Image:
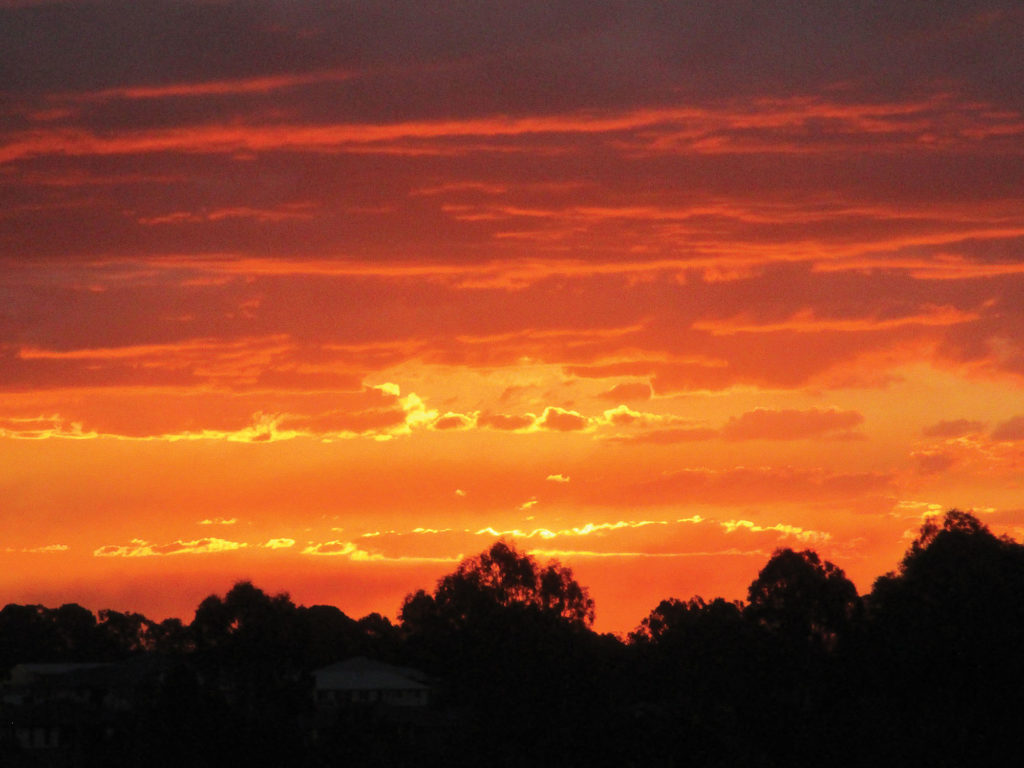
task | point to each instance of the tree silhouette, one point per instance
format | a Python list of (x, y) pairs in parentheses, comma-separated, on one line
[(697, 665), (26, 634), (125, 633), (171, 637), (249, 640), (76, 632), (678, 623), (802, 600), (245, 620), (926, 670), (248, 651), (501, 577), (957, 579), (805, 610), (326, 635), (944, 642), (511, 639)]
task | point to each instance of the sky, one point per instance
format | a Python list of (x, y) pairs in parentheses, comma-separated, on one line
[(331, 295)]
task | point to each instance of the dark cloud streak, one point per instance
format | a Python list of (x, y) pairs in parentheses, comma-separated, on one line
[(530, 53)]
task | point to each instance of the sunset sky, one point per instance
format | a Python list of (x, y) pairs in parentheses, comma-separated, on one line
[(330, 295)]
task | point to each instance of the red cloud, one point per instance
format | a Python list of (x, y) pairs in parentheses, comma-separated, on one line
[(452, 421), (1011, 429), (669, 436), (358, 422), (561, 420), (930, 463), (504, 421), (139, 412), (639, 390), (953, 428), (261, 85), (141, 548), (753, 485)]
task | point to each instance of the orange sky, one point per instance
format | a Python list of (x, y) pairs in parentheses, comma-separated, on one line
[(330, 295)]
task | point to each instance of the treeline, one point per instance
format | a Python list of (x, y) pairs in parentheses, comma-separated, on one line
[(928, 668), (299, 637)]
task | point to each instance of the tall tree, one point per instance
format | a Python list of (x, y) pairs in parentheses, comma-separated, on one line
[(511, 639), (943, 655), (501, 577), (802, 599), (249, 637)]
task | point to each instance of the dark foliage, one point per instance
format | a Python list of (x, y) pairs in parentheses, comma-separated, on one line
[(510, 638), (501, 578), (803, 601), (925, 670), (944, 643)]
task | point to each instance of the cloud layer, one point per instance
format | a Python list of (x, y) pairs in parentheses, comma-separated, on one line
[(649, 285)]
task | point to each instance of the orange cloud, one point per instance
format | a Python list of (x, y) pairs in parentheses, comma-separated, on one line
[(504, 422), (745, 485), (806, 322), (1011, 429), (782, 529), (142, 548), (623, 415), (336, 548), (166, 354), (44, 549), (40, 428), (181, 414), (350, 551), (953, 428), (778, 126), (582, 530), (669, 436), (628, 275), (284, 212), (260, 85), (574, 553), (215, 361), (280, 543), (561, 420), (464, 186), (341, 423), (934, 462), (766, 424), (453, 421), (639, 390), (940, 267)]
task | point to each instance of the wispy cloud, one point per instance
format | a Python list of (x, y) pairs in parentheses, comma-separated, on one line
[(349, 550), (790, 424), (581, 530), (778, 126), (586, 553), (806, 322), (782, 529), (257, 85), (281, 543), (143, 548), (44, 549)]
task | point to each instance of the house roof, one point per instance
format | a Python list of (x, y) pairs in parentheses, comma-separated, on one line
[(133, 671), (362, 674), (22, 674), (59, 668)]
